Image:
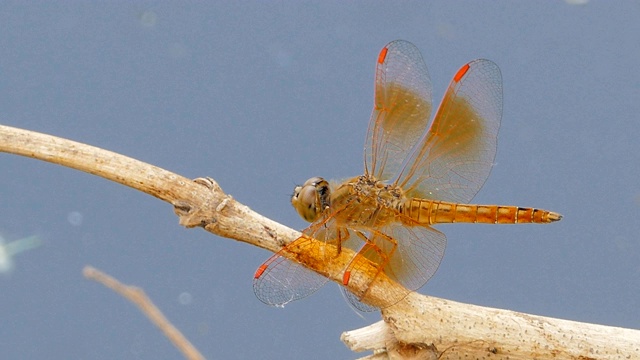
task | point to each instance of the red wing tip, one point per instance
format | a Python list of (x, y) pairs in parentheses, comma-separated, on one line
[(383, 55), (346, 277), (260, 271), (463, 70)]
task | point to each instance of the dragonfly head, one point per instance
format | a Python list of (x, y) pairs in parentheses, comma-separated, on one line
[(311, 198)]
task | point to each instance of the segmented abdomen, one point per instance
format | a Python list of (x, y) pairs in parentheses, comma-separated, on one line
[(429, 212)]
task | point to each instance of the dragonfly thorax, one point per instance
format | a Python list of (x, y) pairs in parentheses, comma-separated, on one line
[(364, 201), (385, 195)]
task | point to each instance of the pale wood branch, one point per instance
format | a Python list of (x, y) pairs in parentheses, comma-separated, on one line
[(444, 329), (418, 326), (196, 205), (142, 301)]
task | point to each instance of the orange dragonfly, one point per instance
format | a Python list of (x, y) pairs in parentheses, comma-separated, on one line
[(417, 173)]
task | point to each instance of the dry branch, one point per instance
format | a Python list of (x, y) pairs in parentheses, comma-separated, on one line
[(418, 326), (142, 301), (447, 329)]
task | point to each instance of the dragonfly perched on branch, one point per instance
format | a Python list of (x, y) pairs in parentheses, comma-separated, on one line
[(417, 173)]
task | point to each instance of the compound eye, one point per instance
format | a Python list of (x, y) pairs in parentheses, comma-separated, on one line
[(314, 181), (305, 201), (312, 198)]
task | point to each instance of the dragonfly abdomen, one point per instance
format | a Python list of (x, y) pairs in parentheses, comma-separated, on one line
[(427, 212)]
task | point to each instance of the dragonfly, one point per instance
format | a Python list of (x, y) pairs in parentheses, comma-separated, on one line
[(418, 172)]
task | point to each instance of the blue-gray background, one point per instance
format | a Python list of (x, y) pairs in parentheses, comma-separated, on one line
[(261, 96)]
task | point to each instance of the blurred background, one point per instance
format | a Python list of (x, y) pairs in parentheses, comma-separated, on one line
[(261, 96)]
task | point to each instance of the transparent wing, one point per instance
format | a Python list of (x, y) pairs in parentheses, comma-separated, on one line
[(281, 279), (356, 243), (457, 152), (401, 111), (278, 281), (418, 255), (355, 301), (408, 255)]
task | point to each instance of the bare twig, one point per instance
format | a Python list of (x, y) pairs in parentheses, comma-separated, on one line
[(416, 326), (140, 299)]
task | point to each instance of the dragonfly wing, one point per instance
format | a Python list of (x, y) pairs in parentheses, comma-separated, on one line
[(355, 302), (457, 152), (279, 281), (401, 111), (361, 267), (356, 243), (417, 256), (407, 255)]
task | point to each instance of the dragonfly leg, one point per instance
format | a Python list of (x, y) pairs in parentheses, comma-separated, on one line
[(343, 235)]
